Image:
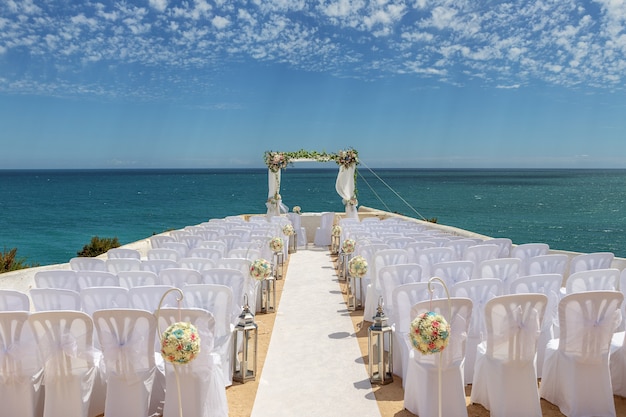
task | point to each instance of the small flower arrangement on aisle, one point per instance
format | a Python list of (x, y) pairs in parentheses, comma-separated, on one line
[(260, 269), (348, 246), (336, 230), (180, 343), (288, 230), (429, 333), (296, 209), (357, 267), (276, 244)]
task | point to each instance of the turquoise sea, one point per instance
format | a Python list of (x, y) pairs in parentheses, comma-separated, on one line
[(50, 215)]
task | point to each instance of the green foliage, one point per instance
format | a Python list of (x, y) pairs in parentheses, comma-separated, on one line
[(10, 262), (432, 220), (98, 246)]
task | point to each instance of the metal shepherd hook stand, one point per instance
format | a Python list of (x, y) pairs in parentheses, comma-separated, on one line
[(431, 290), (157, 313)]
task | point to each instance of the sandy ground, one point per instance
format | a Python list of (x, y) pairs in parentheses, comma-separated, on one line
[(390, 397)]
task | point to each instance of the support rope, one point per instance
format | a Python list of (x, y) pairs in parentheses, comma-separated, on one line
[(388, 186)]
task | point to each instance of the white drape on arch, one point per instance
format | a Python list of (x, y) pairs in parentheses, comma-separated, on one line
[(274, 201), (345, 189)]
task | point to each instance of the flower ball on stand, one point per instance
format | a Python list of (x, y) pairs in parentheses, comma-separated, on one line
[(180, 343), (276, 246), (429, 333)]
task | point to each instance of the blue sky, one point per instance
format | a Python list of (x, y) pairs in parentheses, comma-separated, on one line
[(408, 83)]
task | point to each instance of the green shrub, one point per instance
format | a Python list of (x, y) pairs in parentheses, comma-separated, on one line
[(98, 246), (10, 262)]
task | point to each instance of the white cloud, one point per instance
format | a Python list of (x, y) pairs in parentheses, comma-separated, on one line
[(159, 5), (220, 22)]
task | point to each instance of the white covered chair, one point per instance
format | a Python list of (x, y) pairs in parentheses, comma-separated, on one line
[(49, 299), (421, 388), (21, 371), (218, 299), (576, 375), (555, 263), (587, 261), (404, 298), (452, 272), (479, 291), (65, 342), (617, 363), (414, 248), (115, 265), (155, 265), (88, 279), (504, 244), (163, 253), (123, 253), (202, 382), (87, 264), (322, 233), (232, 278), (392, 276), (199, 264), (179, 247), (57, 278), (504, 269), (179, 277), (505, 378), (215, 244), (593, 280), (460, 245), (158, 240), (431, 256), (301, 236), (13, 300), (208, 253), (479, 253), (103, 298), (148, 297), (127, 337), (549, 285), (529, 250), (129, 279), (382, 258)]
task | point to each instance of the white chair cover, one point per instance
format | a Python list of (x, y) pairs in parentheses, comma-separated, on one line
[(505, 379), (382, 258), (202, 383), (21, 371), (232, 278), (588, 261), (116, 265), (479, 253), (617, 364), (179, 277), (208, 253), (214, 244), (57, 278), (191, 241), (479, 291), (13, 300), (504, 244), (431, 256), (460, 245), (392, 276), (49, 299), (158, 240), (87, 264), (218, 299), (148, 297), (155, 265), (549, 285), (421, 393), (593, 280), (322, 233), (129, 279), (88, 279), (529, 250), (102, 298), (163, 253), (504, 269), (199, 264), (127, 337), (65, 342), (452, 272), (179, 247), (404, 298), (576, 375), (123, 253), (547, 264)]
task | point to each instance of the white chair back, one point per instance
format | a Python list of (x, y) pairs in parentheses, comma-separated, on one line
[(57, 278), (49, 299), (129, 279), (593, 280), (103, 298), (13, 300)]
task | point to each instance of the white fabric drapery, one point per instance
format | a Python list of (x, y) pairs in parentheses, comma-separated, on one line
[(274, 202), (345, 189)]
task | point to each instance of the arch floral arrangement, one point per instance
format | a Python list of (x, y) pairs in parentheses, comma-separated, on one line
[(276, 244), (180, 343), (260, 269), (348, 245), (429, 333), (357, 267)]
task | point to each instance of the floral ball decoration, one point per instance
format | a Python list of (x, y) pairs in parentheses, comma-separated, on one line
[(276, 244), (260, 269), (348, 246), (357, 266), (180, 343), (336, 231), (288, 230), (296, 209), (429, 333)]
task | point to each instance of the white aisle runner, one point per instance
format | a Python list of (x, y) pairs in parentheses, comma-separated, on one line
[(313, 366)]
